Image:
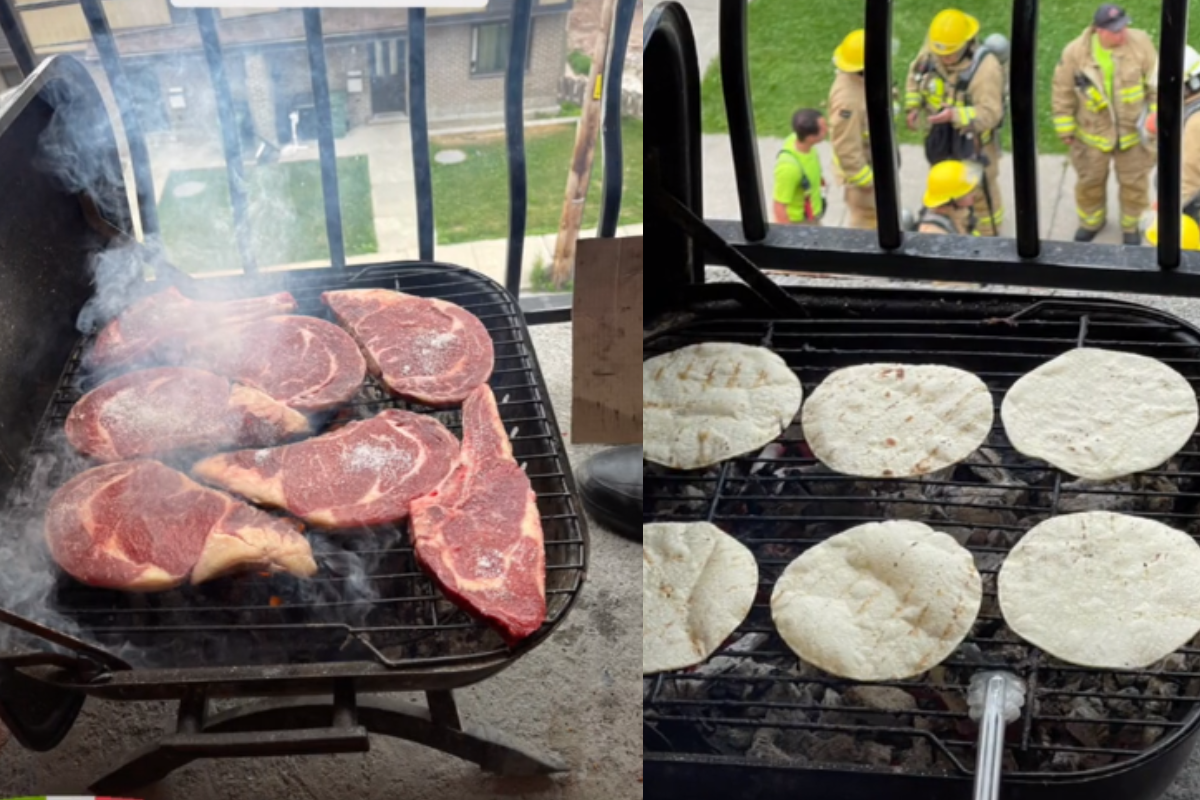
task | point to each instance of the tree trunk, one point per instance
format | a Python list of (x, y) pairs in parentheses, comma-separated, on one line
[(584, 155)]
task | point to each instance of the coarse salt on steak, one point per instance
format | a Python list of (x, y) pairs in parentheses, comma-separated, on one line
[(304, 362), (157, 411), (430, 351), (366, 473), (480, 534), (157, 327), (139, 526)]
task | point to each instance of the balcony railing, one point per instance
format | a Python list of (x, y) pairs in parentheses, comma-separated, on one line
[(521, 21), (684, 242)]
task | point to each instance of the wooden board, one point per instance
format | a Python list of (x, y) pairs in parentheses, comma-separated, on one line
[(607, 393)]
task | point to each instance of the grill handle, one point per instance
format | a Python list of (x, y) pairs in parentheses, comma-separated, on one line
[(996, 699), (39, 714)]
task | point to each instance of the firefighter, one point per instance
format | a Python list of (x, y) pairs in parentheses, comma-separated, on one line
[(1190, 179), (950, 193), (1189, 228), (799, 191), (848, 130), (959, 85), (1104, 88)]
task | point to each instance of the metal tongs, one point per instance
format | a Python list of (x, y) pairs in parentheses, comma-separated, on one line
[(996, 700)]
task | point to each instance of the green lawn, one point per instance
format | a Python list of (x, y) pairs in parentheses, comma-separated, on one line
[(287, 214), (791, 46), (471, 198)]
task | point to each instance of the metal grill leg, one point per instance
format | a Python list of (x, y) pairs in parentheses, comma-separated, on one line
[(443, 710), (258, 731), (313, 726)]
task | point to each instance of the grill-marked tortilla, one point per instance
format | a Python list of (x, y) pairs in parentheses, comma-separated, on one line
[(881, 601), (1103, 590), (896, 420), (698, 584), (710, 402), (1101, 414)]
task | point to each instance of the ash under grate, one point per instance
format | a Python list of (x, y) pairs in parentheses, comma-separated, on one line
[(756, 703)]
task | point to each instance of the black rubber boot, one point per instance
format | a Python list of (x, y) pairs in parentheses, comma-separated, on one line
[(1085, 235), (611, 486)]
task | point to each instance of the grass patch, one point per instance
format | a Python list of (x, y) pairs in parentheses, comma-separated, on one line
[(580, 62), (471, 198), (791, 50), (287, 215), (541, 278)]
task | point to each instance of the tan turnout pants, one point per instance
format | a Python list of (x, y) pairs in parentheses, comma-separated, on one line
[(1133, 168), (989, 217), (861, 204)]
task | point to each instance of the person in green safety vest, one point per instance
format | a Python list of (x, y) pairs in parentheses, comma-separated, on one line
[(799, 186)]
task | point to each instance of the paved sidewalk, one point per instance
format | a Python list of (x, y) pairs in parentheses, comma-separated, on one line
[(1056, 180)]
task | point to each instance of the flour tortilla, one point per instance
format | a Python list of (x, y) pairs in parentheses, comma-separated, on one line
[(882, 601), (1101, 414), (698, 584), (710, 402), (897, 420), (1103, 590)]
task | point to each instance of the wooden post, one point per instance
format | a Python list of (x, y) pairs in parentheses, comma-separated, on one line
[(580, 177)]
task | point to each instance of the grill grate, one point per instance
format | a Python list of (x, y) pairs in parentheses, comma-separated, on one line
[(370, 598), (755, 703)]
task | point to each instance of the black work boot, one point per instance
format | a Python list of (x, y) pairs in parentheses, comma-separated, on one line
[(1132, 239), (1086, 235), (611, 486)]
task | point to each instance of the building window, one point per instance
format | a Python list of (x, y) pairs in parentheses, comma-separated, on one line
[(490, 44)]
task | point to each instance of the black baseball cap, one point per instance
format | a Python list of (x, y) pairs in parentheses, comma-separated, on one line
[(1111, 17)]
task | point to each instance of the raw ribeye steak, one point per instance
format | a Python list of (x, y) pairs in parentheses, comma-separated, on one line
[(156, 327), (139, 526), (429, 351), (157, 411), (304, 362), (480, 534), (366, 473)]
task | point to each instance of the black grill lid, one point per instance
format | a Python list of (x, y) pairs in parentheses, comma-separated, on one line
[(46, 238)]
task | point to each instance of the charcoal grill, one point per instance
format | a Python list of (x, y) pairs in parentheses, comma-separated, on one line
[(370, 622), (753, 721), (781, 502)]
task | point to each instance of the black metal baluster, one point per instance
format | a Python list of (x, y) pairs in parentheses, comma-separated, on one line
[(614, 154), (143, 175), (1170, 131), (514, 125), (1023, 91), (878, 76), (230, 139), (419, 119), (15, 37), (329, 178), (739, 110)]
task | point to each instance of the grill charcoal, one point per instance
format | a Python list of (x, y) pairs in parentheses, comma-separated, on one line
[(757, 702)]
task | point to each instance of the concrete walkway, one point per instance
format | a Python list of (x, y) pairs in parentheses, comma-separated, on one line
[(1056, 181)]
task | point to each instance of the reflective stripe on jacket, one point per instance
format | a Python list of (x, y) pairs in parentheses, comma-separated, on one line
[(934, 86), (1081, 105)]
